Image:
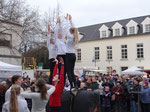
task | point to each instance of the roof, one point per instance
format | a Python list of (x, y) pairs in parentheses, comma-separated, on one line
[(92, 32)]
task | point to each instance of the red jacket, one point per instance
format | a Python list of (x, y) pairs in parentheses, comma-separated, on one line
[(55, 98)]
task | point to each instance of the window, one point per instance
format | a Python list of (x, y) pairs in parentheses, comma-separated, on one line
[(5, 40), (109, 52), (104, 33), (124, 54), (117, 32), (140, 52), (147, 28), (132, 30), (124, 68), (78, 54), (96, 53)]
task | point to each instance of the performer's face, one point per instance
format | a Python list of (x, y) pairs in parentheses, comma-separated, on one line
[(56, 78)]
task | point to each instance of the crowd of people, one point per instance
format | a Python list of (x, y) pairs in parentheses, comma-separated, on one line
[(102, 93), (62, 91), (120, 93)]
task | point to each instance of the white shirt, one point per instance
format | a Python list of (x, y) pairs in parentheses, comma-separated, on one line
[(38, 104), (7, 94), (60, 43), (22, 105), (52, 49), (70, 44)]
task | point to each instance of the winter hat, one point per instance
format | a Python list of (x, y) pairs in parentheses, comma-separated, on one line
[(9, 77), (146, 83), (130, 82), (107, 88)]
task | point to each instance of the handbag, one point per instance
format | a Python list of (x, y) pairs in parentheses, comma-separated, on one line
[(113, 97)]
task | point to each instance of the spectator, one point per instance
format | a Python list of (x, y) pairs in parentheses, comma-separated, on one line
[(3, 89), (89, 83), (106, 99), (145, 97), (119, 91), (134, 95), (94, 85)]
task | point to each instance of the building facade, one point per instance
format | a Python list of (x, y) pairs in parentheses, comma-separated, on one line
[(10, 40), (115, 45)]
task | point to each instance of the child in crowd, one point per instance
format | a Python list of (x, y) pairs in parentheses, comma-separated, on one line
[(106, 99)]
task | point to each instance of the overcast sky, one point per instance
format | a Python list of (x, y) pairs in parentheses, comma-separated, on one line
[(88, 12)]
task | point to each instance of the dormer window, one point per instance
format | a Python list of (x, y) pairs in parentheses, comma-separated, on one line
[(104, 33), (146, 25), (132, 30), (117, 32), (147, 28), (117, 29), (132, 27)]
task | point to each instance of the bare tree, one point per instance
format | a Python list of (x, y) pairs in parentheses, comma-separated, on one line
[(16, 11), (34, 26)]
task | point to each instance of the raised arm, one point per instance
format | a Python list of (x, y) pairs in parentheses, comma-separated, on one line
[(68, 22), (62, 70), (56, 31), (51, 89), (55, 69), (29, 95)]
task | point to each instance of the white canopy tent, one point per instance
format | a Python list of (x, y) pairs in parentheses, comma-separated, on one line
[(8, 70), (133, 71)]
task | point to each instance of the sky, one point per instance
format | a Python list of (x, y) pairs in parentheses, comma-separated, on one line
[(89, 12)]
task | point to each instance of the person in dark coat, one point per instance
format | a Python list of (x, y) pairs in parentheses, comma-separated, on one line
[(108, 83), (94, 85), (3, 89), (85, 101), (134, 96), (66, 101), (89, 83), (118, 90)]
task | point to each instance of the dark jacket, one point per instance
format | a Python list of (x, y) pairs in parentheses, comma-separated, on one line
[(66, 101), (133, 95), (85, 101), (106, 99), (109, 84), (94, 85)]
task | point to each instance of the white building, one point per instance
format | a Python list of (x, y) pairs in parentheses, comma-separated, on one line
[(115, 45), (10, 40)]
